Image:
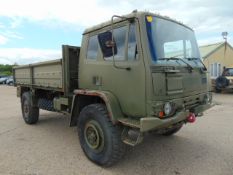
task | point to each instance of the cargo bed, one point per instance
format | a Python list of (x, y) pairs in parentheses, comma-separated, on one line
[(51, 75), (46, 74)]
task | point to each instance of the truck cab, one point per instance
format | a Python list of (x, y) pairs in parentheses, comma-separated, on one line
[(156, 73)]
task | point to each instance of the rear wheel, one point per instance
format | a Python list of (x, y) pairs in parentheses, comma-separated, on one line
[(30, 113), (10, 83), (99, 138)]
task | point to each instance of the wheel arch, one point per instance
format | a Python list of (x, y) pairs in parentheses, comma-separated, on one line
[(82, 98)]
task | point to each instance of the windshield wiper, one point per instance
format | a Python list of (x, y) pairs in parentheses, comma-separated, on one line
[(194, 58), (190, 68)]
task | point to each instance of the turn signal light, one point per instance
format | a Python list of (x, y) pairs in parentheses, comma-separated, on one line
[(161, 114)]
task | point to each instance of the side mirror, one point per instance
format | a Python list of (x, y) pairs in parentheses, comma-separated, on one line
[(107, 45)]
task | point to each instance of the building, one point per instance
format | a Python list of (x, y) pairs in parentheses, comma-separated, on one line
[(216, 57)]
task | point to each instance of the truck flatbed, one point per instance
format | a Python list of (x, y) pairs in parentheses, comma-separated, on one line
[(42, 75), (51, 75)]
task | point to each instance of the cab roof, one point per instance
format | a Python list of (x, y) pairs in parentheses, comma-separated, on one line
[(134, 14)]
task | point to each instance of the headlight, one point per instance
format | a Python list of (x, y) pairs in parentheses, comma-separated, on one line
[(167, 108)]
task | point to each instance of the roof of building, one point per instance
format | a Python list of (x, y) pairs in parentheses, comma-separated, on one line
[(207, 50)]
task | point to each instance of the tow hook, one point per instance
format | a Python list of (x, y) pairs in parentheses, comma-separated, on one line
[(191, 118)]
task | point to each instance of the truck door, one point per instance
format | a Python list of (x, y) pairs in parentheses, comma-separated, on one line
[(128, 85)]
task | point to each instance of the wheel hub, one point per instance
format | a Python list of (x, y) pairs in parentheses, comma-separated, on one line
[(94, 136), (26, 109)]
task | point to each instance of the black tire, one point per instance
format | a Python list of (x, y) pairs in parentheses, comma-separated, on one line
[(10, 83), (173, 130), (99, 138), (221, 82), (30, 113)]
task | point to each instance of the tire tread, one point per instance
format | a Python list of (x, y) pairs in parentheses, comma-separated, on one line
[(33, 111), (118, 147)]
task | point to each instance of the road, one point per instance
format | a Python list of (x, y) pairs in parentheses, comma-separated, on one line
[(52, 147)]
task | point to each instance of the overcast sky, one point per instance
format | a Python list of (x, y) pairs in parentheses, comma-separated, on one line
[(32, 30)]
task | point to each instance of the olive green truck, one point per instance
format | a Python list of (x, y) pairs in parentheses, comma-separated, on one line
[(135, 74)]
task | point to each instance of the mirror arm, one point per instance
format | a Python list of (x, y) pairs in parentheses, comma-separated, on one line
[(113, 59)]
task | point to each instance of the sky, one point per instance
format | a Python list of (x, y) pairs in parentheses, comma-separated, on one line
[(32, 31)]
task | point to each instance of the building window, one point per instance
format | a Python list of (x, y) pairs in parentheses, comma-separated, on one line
[(212, 70), (215, 70), (219, 69)]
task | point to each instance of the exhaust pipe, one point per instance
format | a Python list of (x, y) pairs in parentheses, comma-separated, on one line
[(191, 118)]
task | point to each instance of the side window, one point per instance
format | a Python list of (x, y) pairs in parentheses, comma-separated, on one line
[(132, 44), (92, 49), (119, 35)]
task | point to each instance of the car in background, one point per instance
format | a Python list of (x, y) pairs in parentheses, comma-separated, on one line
[(225, 81), (3, 79), (10, 81)]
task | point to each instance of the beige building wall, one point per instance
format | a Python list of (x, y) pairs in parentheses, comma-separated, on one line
[(218, 57)]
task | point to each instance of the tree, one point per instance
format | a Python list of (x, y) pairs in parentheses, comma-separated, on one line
[(6, 69)]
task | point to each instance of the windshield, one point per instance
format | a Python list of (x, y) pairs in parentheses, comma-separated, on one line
[(168, 39), (228, 72)]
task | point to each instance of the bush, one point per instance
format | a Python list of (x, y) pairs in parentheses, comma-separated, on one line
[(6, 69)]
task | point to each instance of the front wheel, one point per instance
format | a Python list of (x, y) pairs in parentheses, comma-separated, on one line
[(99, 138), (30, 113)]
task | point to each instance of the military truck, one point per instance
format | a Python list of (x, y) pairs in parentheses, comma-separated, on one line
[(224, 81), (132, 75)]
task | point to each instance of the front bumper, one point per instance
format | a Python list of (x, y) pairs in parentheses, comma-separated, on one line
[(152, 123)]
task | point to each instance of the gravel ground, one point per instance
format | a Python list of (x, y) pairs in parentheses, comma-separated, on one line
[(52, 147)]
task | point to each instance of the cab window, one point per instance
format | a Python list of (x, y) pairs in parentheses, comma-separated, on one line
[(92, 50), (179, 48), (228, 72), (132, 44), (119, 35)]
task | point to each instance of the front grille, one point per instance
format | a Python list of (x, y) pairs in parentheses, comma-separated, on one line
[(190, 103)]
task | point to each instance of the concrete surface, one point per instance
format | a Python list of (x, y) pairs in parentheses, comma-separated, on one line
[(52, 147)]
